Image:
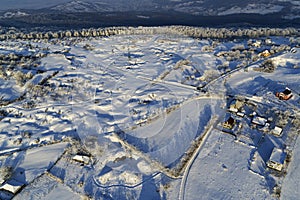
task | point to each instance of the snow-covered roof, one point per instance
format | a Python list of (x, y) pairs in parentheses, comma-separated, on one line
[(277, 131), (259, 120), (278, 156), (81, 158), (232, 109), (240, 114), (12, 186)]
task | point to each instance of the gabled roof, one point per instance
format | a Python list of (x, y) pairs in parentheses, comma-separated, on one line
[(259, 120), (277, 131), (278, 156), (12, 186), (81, 158)]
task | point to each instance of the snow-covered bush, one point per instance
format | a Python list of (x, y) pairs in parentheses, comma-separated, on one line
[(88, 47), (20, 77), (267, 66), (209, 75), (5, 173), (3, 74), (282, 118), (29, 105), (207, 48), (296, 122)]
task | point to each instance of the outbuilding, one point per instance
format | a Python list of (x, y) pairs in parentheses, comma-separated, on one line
[(277, 131), (81, 159), (265, 53), (12, 186), (259, 121), (277, 159)]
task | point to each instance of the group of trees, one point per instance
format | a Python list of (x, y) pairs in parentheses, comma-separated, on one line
[(197, 32)]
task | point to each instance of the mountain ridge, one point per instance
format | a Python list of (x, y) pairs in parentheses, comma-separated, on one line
[(151, 13)]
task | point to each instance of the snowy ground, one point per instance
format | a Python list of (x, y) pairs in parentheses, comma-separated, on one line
[(145, 114)]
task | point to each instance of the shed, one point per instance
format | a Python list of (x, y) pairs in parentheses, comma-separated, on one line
[(277, 159), (259, 120), (81, 159), (265, 53), (12, 186), (277, 131), (240, 114)]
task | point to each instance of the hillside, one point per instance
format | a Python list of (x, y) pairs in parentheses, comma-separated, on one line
[(148, 116)]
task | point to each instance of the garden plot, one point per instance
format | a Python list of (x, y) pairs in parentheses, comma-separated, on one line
[(217, 156), (174, 132), (31, 164), (46, 187)]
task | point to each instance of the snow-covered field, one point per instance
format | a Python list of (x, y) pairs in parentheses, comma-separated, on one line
[(141, 117)]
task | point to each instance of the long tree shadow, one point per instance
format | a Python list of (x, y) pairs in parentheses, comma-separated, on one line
[(150, 190)]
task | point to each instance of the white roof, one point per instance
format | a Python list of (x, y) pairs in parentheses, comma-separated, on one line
[(241, 114), (277, 130), (277, 156), (233, 109), (80, 158), (259, 120), (12, 186)]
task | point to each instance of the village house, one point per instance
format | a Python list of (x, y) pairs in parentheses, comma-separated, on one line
[(11, 186), (277, 159), (259, 121), (265, 53), (81, 159), (285, 95), (277, 131)]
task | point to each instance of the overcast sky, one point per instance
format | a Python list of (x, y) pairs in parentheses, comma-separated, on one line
[(27, 4)]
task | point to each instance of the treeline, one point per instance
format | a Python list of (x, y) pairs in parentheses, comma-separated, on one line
[(197, 32)]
